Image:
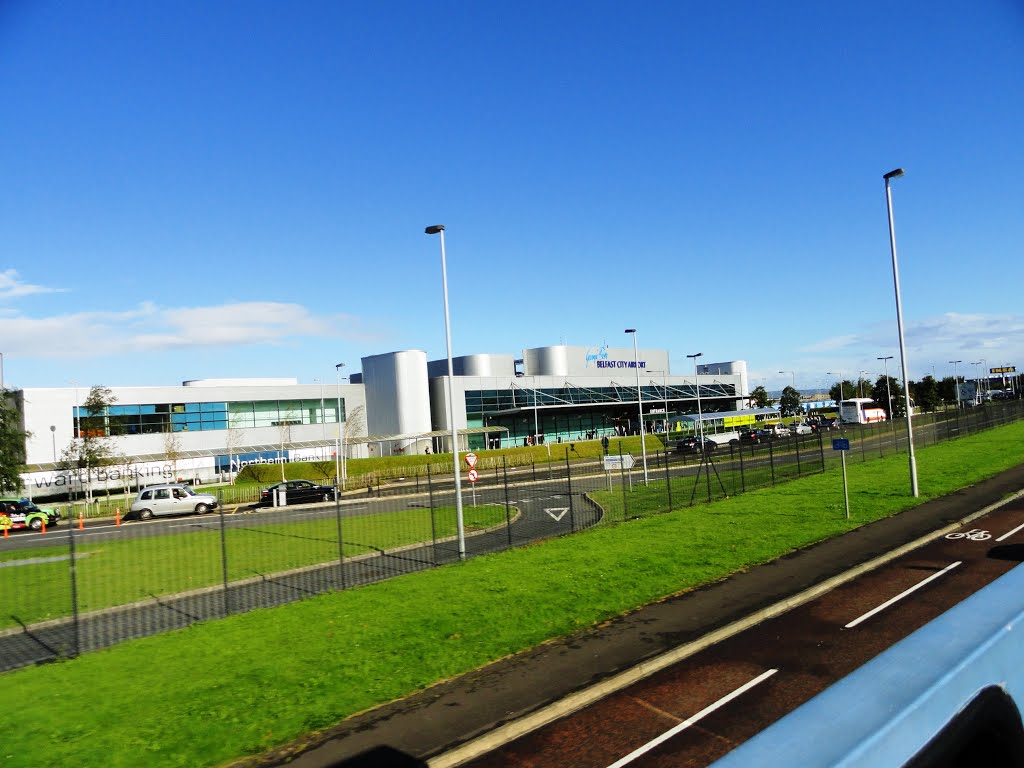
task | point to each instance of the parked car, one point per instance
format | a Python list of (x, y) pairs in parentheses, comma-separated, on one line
[(690, 445), (776, 430), (750, 436), (801, 429), (170, 499), (17, 514), (298, 492)]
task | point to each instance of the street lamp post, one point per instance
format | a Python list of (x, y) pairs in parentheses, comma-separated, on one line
[(438, 229), (696, 386), (339, 463), (53, 439), (977, 380), (956, 382), (895, 174), (639, 400), (860, 383), (791, 373)]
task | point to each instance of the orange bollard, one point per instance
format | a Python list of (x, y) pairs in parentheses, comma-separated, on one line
[(81, 522), (117, 516), (43, 529), (5, 531)]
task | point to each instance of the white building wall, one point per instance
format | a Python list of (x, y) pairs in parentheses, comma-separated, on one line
[(397, 395)]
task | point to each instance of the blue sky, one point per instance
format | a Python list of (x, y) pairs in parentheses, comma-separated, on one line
[(238, 189)]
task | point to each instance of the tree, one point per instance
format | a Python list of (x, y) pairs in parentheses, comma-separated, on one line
[(925, 394), (172, 451), (880, 394), (789, 402), (12, 445), (759, 398), (842, 391), (947, 390), (91, 449)]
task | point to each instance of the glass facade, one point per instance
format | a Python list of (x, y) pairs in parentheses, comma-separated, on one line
[(156, 418), (579, 413)]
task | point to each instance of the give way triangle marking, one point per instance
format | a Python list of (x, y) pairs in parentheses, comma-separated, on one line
[(560, 510)]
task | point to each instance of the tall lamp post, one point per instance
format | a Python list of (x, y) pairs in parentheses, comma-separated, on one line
[(977, 380), (339, 463), (696, 386), (860, 383), (956, 382), (639, 400), (438, 229), (895, 174), (791, 373)]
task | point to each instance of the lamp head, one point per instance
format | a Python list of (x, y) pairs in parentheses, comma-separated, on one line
[(339, 365), (435, 229), (630, 330), (893, 174)]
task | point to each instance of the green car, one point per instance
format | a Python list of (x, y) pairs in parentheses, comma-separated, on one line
[(16, 514)]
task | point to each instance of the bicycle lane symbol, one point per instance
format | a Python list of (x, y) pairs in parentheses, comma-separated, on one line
[(975, 534)]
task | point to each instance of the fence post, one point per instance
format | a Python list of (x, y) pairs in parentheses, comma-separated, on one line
[(341, 542), (433, 524), (743, 479), (771, 457), (508, 513), (821, 448), (668, 481), (622, 484), (533, 465), (796, 443), (74, 590), (224, 553), (568, 480)]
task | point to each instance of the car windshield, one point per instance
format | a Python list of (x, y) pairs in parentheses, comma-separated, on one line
[(188, 491)]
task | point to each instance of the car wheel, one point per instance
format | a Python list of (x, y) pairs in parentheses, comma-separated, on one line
[(36, 524), (202, 509), (145, 514), (327, 497)]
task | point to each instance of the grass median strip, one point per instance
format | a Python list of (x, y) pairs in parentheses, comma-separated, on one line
[(218, 690), (113, 573)]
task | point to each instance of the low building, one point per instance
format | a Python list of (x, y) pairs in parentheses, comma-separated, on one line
[(206, 429)]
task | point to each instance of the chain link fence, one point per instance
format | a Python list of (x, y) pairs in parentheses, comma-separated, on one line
[(81, 587)]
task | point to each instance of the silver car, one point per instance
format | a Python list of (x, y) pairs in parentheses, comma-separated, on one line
[(170, 499)]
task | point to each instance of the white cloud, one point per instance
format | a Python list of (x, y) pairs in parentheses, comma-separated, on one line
[(11, 287), (149, 328)]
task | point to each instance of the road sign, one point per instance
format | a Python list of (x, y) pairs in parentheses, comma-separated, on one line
[(471, 459), (473, 475), (613, 462), (841, 444)]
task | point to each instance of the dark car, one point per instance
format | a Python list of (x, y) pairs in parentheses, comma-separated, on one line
[(16, 514), (750, 436), (298, 492), (690, 445)]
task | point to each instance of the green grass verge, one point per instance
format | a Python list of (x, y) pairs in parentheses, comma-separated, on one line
[(114, 573), (204, 695)]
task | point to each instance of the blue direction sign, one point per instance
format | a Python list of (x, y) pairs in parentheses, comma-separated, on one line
[(841, 444)]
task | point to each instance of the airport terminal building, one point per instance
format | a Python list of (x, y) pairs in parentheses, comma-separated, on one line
[(206, 429)]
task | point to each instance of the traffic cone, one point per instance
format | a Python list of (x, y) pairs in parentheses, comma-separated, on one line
[(117, 516), (81, 523), (43, 529)]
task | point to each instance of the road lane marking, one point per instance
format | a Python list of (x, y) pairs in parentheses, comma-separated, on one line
[(1008, 534), (691, 720), (560, 510), (901, 595)]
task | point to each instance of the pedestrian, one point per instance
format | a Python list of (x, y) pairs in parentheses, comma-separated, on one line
[(604, 444)]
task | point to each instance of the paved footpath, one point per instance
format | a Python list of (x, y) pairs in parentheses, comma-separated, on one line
[(428, 724)]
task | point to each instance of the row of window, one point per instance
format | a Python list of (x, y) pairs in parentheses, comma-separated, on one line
[(485, 400), (145, 419)]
